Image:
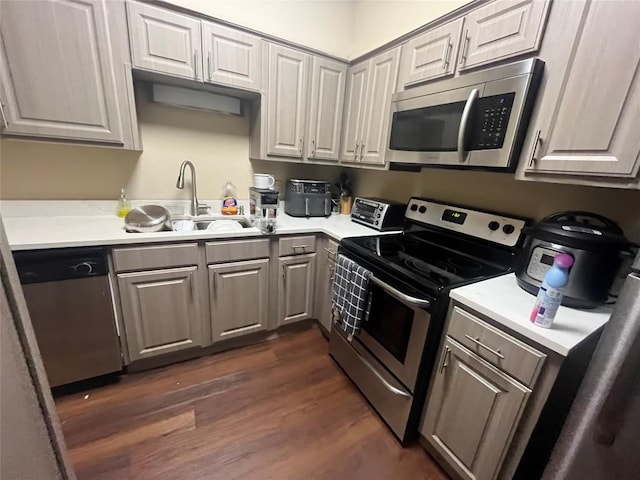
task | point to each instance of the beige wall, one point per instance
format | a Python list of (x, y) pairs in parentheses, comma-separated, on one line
[(321, 24), (377, 22)]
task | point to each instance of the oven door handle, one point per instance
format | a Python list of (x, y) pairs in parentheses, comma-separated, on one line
[(403, 297), (388, 386), (464, 122)]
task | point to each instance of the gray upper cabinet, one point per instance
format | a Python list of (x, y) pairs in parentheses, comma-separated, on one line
[(356, 92), (588, 116), (232, 57), (286, 101), (366, 119), (239, 297), (430, 55), (296, 286), (471, 412), (161, 311), (57, 71), (382, 84), (502, 29), (165, 42), (328, 79)]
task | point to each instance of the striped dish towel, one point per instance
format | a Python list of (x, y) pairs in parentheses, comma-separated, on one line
[(350, 295)]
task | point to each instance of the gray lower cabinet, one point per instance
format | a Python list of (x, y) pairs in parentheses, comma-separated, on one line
[(296, 288), (160, 311), (57, 71), (324, 282), (239, 298), (472, 411)]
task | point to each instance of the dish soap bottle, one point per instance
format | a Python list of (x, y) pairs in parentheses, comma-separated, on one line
[(229, 199), (124, 205), (552, 290)]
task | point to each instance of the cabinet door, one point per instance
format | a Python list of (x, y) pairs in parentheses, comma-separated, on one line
[(382, 84), (471, 412), (430, 55), (286, 101), (357, 80), (328, 79), (165, 42), (232, 57), (239, 297), (160, 311), (57, 72), (502, 29), (325, 273), (296, 288), (605, 140)]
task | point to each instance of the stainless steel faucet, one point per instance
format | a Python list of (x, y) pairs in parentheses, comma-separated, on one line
[(195, 206)]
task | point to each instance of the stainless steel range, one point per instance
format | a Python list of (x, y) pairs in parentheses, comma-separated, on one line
[(443, 247)]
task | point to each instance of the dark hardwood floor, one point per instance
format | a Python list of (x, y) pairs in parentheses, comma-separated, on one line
[(277, 410)]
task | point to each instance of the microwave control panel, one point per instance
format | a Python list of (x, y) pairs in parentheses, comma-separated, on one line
[(491, 119)]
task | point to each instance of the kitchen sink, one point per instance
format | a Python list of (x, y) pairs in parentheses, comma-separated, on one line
[(204, 224)]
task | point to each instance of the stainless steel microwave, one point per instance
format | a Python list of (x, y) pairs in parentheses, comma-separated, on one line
[(477, 120)]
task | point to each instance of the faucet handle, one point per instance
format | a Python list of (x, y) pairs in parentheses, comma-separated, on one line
[(203, 209)]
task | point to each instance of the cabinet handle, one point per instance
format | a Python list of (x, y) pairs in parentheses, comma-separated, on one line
[(295, 247), (191, 284), (215, 286), (209, 65), (331, 272), (477, 341), (532, 159), (445, 359), (463, 55), (300, 146), (355, 152), (4, 118), (195, 62), (284, 272), (447, 54), (313, 147), (331, 255), (361, 150)]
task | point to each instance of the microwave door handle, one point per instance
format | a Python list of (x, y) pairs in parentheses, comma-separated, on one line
[(464, 123)]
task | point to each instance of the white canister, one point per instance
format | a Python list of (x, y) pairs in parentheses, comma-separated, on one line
[(263, 180)]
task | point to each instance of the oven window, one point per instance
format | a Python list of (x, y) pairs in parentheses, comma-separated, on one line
[(428, 129), (389, 323)]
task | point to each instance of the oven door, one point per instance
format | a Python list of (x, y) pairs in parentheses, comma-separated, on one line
[(396, 330)]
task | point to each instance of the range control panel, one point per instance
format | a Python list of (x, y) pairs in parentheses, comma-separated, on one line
[(487, 226), (491, 121)]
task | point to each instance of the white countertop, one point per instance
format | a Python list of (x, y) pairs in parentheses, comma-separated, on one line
[(61, 231), (502, 300)]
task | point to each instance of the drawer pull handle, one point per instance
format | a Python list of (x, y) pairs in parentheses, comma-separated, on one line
[(295, 247), (331, 254), (477, 341)]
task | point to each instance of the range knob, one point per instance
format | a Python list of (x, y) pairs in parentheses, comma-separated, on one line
[(508, 229), (377, 222), (493, 226), (422, 209), (414, 207)]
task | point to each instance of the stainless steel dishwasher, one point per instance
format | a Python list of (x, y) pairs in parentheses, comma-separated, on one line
[(69, 301)]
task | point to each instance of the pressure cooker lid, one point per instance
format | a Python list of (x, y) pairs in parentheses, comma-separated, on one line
[(580, 230)]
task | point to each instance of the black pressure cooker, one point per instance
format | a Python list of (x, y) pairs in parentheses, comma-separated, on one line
[(597, 245)]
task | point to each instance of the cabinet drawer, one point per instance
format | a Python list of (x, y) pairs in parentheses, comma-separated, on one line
[(509, 354), (218, 252), (296, 245), (145, 258)]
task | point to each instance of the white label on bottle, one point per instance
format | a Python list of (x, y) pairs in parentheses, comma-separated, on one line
[(547, 303)]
